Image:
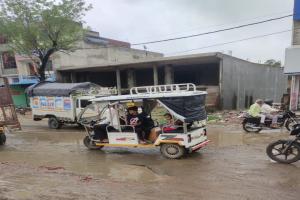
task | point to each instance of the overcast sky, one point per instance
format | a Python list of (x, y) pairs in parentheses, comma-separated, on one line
[(145, 20)]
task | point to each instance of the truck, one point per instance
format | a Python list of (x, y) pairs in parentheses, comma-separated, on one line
[(61, 103), (8, 116)]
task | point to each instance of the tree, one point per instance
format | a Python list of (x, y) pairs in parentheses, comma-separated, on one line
[(39, 28), (273, 63)]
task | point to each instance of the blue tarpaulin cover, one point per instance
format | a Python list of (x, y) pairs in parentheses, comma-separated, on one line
[(297, 10), (56, 89)]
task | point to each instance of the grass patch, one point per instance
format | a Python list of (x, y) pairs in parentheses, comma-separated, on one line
[(213, 118)]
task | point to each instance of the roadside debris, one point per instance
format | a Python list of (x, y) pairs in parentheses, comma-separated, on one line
[(230, 117), (86, 179), (52, 168)]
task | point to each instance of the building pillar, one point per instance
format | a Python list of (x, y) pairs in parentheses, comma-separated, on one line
[(294, 93), (169, 74), (87, 77), (155, 75), (1, 65), (118, 78), (73, 77), (220, 99), (59, 77), (131, 78)]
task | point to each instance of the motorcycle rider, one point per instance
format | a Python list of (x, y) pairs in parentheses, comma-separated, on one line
[(270, 113), (255, 110)]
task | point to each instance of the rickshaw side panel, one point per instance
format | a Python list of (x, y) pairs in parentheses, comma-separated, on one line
[(123, 138), (196, 137), (188, 140)]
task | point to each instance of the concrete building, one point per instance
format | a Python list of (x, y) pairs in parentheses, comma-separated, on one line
[(231, 83), (96, 50), (292, 60), (20, 71), (93, 50)]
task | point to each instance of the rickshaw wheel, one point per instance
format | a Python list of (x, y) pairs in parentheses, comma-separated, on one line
[(90, 144), (172, 151), (2, 139)]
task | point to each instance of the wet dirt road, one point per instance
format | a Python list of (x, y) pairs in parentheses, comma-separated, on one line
[(41, 164)]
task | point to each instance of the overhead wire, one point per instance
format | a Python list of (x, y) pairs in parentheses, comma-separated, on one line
[(231, 42), (223, 24), (212, 32), (196, 35)]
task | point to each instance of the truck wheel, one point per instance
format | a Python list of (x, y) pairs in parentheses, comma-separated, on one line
[(90, 144), (2, 139), (53, 123), (172, 151)]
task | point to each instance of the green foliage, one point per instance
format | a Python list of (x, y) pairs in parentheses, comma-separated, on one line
[(39, 28), (273, 63)]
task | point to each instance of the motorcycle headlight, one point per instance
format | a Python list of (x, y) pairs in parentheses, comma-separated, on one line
[(296, 130)]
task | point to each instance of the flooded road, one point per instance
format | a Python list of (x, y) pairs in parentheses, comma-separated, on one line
[(38, 163)]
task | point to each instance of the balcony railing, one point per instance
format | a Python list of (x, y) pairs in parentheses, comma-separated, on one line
[(28, 80), (12, 71)]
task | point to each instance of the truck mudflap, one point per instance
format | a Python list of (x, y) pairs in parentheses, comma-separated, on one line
[(199, 146)]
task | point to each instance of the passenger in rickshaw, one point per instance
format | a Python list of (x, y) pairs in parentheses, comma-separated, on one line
[(141, 122), (172, 125)]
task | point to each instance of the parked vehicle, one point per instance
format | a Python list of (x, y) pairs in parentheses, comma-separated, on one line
[(252, 124), (182, 101), (61, 103), (286, 151), (8, 116)]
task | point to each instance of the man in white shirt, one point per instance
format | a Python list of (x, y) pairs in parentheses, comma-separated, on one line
[(109, 118), (270, 113)]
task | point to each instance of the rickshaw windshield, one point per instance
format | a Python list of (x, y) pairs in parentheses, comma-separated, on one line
[(91, 112)]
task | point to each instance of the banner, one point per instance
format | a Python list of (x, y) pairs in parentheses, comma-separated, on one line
[(52, 103), (35, 102), (67, 104), (59, 103)]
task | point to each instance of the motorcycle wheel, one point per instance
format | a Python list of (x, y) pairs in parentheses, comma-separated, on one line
[(289, 124), (274, 151), (247, 127)]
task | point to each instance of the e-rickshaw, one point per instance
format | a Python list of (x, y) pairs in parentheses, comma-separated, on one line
[(182, 101), (8, 116)]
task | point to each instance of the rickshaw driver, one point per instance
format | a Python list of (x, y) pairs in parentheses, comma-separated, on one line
[(110, 118)]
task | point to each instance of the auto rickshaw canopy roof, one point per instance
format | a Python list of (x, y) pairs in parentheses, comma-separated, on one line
[(186, 104)]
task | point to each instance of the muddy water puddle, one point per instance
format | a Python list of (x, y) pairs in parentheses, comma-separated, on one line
[(39, 163), (64, 148)]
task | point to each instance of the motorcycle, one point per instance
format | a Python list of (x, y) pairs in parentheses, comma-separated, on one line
[(286, 151), (252, 124)]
